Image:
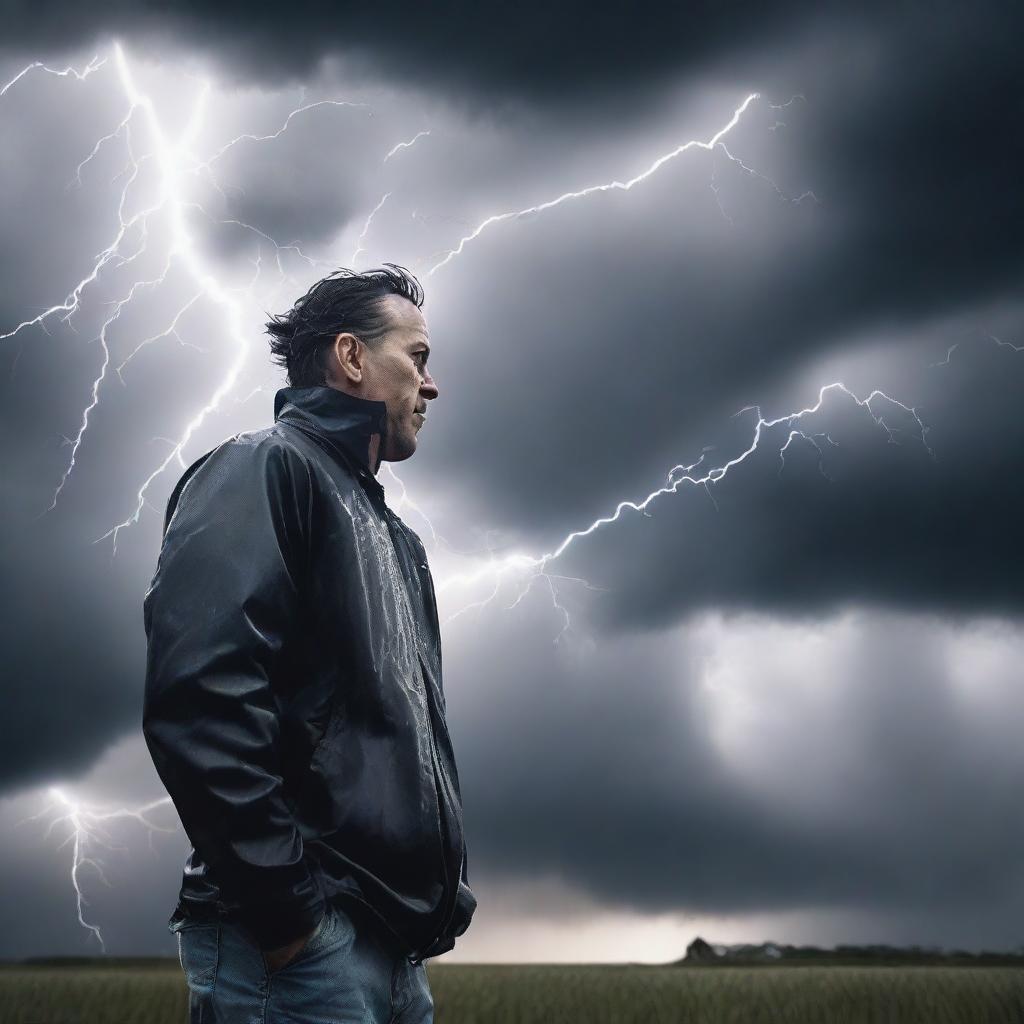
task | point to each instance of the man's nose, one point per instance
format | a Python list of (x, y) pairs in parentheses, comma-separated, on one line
[(428, 389)]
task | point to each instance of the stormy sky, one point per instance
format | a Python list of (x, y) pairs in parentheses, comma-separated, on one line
[(783, 699)]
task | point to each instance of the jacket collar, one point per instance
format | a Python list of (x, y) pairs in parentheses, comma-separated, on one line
[(344, 421)]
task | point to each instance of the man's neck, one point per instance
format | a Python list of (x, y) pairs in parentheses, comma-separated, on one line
[(374, 453)]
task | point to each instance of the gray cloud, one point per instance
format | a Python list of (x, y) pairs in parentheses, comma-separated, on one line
[(739, 767)]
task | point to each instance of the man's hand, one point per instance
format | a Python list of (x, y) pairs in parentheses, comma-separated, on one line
[(276, 959)]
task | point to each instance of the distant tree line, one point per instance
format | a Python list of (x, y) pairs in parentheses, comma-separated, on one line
[(701, 952)]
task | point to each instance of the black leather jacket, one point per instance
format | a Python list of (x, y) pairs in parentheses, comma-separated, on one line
[(294, 707)]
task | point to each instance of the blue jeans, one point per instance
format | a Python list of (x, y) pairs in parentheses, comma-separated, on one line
[(346, 972)]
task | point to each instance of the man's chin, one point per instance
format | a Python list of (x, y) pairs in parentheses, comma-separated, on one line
[(401, 452)]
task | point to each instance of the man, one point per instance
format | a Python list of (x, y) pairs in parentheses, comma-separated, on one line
[(294, 707)]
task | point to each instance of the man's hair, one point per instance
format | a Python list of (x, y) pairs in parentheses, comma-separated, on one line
[(342, 302)]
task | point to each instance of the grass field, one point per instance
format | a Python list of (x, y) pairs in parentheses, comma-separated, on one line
[(565, 994)]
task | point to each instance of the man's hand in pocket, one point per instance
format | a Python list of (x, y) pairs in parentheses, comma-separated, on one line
[(276, 959)]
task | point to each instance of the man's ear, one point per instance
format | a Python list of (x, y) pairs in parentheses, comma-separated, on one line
[(346, 364)]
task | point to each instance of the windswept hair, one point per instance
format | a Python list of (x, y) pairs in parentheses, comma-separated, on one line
[(343, 302)]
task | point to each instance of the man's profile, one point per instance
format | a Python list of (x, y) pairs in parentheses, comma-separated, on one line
[(294, 706)]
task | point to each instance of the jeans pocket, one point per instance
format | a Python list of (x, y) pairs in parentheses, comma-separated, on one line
[(198, 953)]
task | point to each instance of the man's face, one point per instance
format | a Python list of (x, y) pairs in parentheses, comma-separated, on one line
[(395, 372)]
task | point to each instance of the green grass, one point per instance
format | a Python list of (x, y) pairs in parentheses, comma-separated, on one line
[(566, 994)]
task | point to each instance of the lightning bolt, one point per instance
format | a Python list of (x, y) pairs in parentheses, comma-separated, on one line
[(785, 106), (170, 332), (102, 338), (205, 167), (182, 247), (516, 564), (248, 137), (169, 159), (405, 145), (366, 229), (279, 247), (812, 440), (991, 337), (174, 160), (623, 186), (94, 65), (404, 499), (88, 830), (753, 173)]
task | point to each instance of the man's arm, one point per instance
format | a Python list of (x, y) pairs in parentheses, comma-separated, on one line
[(222, 603)]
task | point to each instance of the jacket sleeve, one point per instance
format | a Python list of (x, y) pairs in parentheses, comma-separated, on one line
[(217, 614)]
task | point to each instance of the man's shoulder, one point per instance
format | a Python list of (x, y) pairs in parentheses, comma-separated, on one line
[(250, 458), (252, 451)]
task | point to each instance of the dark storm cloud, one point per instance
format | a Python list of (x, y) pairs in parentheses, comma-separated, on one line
[(843, 769), (538, 50), (71, 633)]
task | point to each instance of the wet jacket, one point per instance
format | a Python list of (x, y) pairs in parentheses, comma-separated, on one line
[(294, 706)]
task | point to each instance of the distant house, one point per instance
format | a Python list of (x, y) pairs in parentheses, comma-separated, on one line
[(700, 951)]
